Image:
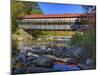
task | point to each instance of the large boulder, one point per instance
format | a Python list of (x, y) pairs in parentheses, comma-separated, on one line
[(39, 51), (21, 57), (31, 58), (89, 61), (88, 64), (80, 53), (43, 61), (61, 52)]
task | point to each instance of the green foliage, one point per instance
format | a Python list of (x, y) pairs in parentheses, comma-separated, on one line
[(88, 8), (87, 41), (35, 33), (36, 11), (58, 33), (14, 44), (21, 8), (14, 24), (17, 10), (77, 39)]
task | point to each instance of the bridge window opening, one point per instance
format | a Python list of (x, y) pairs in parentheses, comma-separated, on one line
[(48, 23), (27, 23), (45, 23), (55, 23), (66, 23), (20, 23), (39, 23), (32, 22), (63, 22), (69, 23), (58, 23), (35, 23)]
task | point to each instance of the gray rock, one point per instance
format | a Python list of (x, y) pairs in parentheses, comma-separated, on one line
[(80, 53), (43, 61), (19, 71), (72, 61), (61, 52), (34, 69), (89, 61), (86, 67)]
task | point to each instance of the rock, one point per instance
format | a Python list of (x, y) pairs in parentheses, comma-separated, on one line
[(39, 51), (31, 58), (68, 54), (15, 52), (43, 61), (72, 61), (60, 52), (20, 70), (34, 69), (86, 67), (89, 61), (80, 53), (21, 57)]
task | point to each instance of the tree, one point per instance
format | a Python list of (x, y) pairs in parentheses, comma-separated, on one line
[(36, 9), (90, 17), (86, 40), (21, 8), (89, 9)]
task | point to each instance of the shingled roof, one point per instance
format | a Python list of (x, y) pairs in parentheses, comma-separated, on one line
[(51, 16)]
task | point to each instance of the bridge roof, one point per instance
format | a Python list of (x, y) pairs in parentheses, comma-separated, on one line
[(52, 16)]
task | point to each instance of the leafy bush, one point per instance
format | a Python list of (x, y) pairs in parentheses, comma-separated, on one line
[(86, 40)]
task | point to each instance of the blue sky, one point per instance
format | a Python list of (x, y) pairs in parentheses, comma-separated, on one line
[(53, 8)]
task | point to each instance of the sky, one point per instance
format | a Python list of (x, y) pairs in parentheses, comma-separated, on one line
[(53, 8)]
